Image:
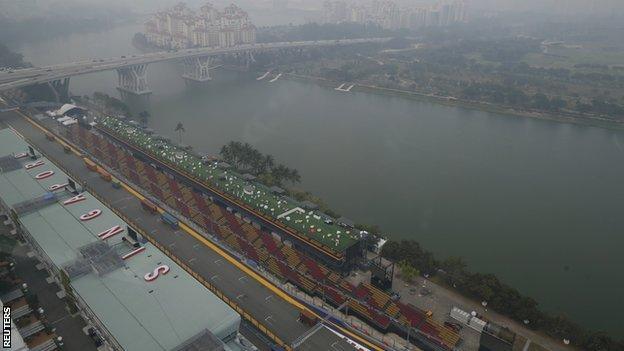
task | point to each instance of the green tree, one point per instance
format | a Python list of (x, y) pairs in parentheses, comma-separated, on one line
[(244, 157), (293, 176), (11, 59), (144, 117), (267, 163), (541, 101), (408, 271), (180, 129), (280, 173), (600, 341)]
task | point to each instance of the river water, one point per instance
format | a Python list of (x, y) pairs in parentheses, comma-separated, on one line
[(535, 202)]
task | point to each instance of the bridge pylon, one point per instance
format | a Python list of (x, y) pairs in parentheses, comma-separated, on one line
[(132, 80), (60, 89), (197, 69), (249, 59)]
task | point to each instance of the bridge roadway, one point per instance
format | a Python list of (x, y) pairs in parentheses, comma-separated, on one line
[(262, 303), (36, 75)]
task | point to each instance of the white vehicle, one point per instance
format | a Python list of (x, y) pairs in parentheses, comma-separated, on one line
[(70, 122), (63, 119)]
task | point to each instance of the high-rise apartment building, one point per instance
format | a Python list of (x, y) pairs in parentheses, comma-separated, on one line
[(180, 27), (389, 15)]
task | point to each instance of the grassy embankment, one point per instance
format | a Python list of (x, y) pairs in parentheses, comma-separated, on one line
[(487, 107)]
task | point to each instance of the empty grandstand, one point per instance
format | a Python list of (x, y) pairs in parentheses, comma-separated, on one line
[(288, 262), (337, 244)]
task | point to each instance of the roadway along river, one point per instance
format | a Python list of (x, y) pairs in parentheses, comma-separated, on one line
[(537, 203)]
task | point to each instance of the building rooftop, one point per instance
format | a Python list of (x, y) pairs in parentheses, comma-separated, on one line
[(267, 201), (161, 314)]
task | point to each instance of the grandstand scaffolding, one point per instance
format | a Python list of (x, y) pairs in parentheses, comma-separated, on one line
[(103, 258), (382, 273), (97, 257)]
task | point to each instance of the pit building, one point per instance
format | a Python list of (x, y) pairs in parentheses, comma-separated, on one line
[(133, 294)]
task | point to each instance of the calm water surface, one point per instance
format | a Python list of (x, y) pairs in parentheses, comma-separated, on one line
[(538, 203)]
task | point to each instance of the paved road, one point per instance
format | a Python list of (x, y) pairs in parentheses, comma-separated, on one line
[(55, 311), (441, 300), (25, 77), (276, 314)]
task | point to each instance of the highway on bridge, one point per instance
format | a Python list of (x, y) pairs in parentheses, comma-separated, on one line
[(12, 79)]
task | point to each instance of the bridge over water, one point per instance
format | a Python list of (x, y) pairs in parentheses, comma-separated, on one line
[(131, 70)]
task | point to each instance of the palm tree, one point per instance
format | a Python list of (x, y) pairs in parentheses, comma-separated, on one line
[(257, 161), (226, 152), (143, 117), (268, 164), (247, 155), (236, 150), (180, 129), (294, 176), (280, 173)]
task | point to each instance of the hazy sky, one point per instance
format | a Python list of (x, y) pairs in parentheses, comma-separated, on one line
[(53, 7), (559, 6)]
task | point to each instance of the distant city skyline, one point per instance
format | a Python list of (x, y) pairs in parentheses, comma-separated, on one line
[(260, 10), (391, 15)]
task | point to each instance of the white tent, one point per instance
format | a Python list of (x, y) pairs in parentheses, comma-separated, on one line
[(66, 108)]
